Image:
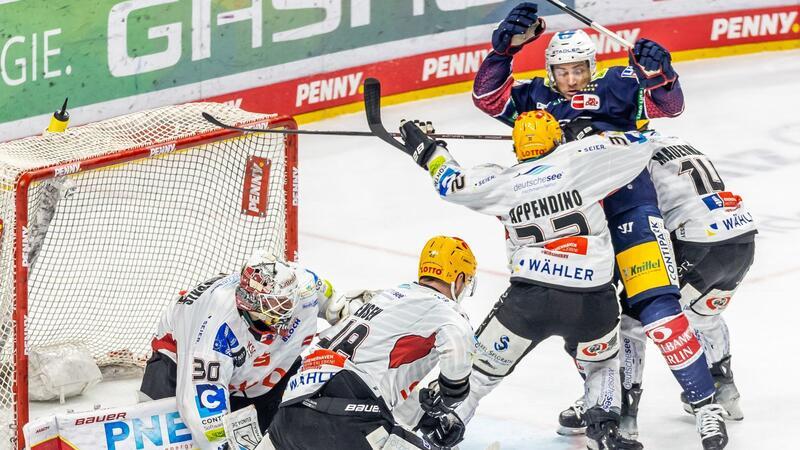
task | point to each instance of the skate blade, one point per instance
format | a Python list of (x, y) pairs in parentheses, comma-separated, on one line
[(567, 431)]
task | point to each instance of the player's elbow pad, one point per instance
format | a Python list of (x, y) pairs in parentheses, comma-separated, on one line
[(453, 392)]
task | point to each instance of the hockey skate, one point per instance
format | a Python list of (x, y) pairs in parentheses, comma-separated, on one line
[(571, 421), (602, 432), (711, 425), (727, 394), (630, 409)]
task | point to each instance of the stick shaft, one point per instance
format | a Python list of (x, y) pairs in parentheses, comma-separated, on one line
[(217, 122), (591, 23)]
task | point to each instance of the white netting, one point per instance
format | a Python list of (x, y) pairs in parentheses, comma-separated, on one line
[(126, 238)]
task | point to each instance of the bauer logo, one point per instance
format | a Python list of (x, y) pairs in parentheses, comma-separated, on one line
[(210, 400), (585, 101), (256, 187), (741, 27)]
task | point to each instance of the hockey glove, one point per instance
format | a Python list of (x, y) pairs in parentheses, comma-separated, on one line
[(652, 63), (445, 431), (426, 127), (418, 145), (521, 26), (578, 129), (442, 396)]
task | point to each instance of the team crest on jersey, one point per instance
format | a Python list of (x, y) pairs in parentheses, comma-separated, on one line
[(585, 101), (629, 73)]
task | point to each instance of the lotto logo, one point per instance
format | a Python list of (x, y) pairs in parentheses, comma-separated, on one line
[(430, 270), (210, 400)]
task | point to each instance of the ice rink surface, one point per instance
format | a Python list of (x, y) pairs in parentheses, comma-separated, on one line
[(366, 210)]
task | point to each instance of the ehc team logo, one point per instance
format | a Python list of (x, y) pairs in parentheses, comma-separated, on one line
[(595, 349), (210, 400), (715, 303)]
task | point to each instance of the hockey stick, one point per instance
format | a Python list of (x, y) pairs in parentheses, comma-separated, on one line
[(372, 106), (213, 120), (592, 24)]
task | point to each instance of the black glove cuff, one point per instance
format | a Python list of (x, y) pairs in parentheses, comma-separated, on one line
[(453, 392)]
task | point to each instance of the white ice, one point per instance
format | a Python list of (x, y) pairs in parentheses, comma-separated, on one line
[(366, 209)]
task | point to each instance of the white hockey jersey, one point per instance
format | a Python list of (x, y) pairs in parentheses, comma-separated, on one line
[(218, 354), (692, 196), (556, 230), (391, 343)]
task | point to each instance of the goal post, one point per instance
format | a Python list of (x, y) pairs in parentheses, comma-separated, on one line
[(102, 226)]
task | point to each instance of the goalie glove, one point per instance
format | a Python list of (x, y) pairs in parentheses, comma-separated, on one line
[(418, 145), (341, 306)]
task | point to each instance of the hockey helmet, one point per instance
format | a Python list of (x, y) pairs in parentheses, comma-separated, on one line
[(445, 258), (267, 289), (536, 133), (567, 47)]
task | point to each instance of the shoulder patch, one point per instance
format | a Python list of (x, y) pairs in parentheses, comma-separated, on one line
[(628, 72)]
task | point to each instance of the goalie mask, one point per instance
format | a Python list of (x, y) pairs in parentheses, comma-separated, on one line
[(536, 133), (267, 289), (445, 258)]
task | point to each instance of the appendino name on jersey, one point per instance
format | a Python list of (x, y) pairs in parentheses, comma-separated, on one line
[(563, 201)]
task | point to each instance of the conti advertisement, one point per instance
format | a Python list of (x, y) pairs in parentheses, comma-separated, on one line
[(298, 56)]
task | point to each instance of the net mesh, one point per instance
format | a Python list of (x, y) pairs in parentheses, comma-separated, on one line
[(122, 241)]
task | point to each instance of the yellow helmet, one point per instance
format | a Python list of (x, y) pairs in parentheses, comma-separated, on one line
[(444, 258), (535, 134)]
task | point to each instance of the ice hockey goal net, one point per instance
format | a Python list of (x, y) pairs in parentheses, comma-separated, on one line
[(104, 224)]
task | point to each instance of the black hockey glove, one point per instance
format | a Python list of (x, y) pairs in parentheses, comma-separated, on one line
[(578, 129), (442, 396), (652, 63), (446, 431), (517, 23), (418, 145)]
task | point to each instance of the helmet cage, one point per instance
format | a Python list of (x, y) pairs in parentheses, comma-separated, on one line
[(260, 294)]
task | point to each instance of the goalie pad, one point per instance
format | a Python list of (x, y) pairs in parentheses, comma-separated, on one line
[(60, 372), (155, 425), (241, 429)]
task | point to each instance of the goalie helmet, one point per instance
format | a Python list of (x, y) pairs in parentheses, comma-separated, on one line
[(267, 289), (445, 258), (567, 47), (536, 133)]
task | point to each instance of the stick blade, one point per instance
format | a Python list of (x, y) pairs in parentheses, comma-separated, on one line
[(372, 101)]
